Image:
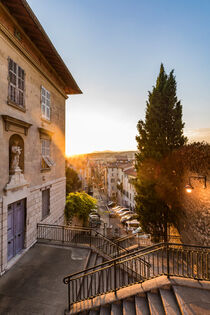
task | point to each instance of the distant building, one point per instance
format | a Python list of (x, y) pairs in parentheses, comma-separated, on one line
[(120, 187), (34, 85), (129, 191)]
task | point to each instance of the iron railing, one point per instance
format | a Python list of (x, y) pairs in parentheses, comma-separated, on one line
[(142, 240), (69, 235), (168, 259)]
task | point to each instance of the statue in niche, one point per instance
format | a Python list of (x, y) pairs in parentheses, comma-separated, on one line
[(15, 151), (16, 154)]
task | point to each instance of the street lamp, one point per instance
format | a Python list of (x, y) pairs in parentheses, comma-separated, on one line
[(189, 186)]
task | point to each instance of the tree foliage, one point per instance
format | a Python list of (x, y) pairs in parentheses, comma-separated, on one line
[(162, 130), (79, 204), (159, 136), (73, 182)]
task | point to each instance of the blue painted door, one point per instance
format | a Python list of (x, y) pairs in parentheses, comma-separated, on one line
[(15, 228)]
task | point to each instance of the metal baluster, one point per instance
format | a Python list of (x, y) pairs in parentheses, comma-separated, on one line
[(115, 278), (73, 295), (192, 273), (135, 266), (182, 263), (197, 270), (162, 251), (69, 298), (63, 234), (177, 257), (76, 288), (95, 282), (83, 286), (148, 267), (187, 262)]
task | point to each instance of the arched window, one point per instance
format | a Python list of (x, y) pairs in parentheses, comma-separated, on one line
[(16, 154)]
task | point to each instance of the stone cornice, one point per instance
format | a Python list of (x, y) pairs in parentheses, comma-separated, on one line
[(11, 121), (46, 132), (26, 19)]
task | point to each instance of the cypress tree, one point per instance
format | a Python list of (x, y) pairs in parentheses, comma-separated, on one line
[(159, 135)]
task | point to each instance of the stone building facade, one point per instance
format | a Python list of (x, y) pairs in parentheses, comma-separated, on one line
[(34, 84)]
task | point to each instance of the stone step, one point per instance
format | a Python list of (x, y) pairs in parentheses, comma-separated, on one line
[(141, 305), (155, 304), (129, 307), (116, 309), (105, 310), (85, 283), (192, 300), (169, 301)]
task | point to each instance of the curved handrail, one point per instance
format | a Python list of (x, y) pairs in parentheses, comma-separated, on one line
[(85, 229), (136, 254), (133, 254)]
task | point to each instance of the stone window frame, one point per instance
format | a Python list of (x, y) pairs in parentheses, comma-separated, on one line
[(45, 210), (46, 160), (45, 104), (16, 85)]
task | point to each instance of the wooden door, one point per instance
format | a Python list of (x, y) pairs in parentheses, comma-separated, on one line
[(16, 227)]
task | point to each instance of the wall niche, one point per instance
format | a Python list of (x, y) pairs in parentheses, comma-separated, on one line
[(16, 154)]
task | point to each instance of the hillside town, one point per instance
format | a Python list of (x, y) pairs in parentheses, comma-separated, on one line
[(109, 232)]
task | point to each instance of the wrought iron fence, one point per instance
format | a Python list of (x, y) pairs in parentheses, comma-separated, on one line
[(125, 268), (161, 259), (69, 235), (141, 240)]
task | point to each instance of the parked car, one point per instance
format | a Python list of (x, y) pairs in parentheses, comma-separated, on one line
[(128, 217), (131, 225), (94, 211), (136, 231), (116, 208), (125, 213), (122, 210), (94, 220), (111, 204)]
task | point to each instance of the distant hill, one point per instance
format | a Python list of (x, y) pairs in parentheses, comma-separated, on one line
[(108, 153)]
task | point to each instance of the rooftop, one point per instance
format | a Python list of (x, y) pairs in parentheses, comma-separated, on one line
[(25, 17)]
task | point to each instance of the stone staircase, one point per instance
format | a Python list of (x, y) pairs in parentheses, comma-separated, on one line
[(92, 285), (119, 281), (156, 296), (173, 297)]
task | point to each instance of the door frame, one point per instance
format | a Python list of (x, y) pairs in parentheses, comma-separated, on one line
[(14, 232)]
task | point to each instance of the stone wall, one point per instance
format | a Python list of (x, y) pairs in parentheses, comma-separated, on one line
[(34, 208), (37, 73), (194, 225)]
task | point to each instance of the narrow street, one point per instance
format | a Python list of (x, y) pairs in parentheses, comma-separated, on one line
[(107, 222)]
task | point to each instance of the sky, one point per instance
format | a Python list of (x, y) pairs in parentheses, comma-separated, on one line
[(114, 49)]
